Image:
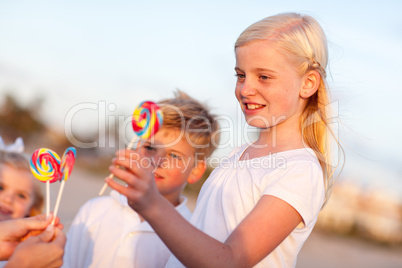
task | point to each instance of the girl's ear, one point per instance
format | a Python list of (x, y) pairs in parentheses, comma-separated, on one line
[(310, 85), (197, 172)]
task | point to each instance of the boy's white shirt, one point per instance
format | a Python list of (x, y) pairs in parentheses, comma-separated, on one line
[(106, 232), (233, 190)]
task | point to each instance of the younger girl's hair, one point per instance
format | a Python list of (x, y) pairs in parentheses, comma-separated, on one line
[(303, 37), (20, 162)]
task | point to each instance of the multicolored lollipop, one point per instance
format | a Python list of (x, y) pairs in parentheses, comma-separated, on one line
[(147, 119), (45, 166), (67, 163)]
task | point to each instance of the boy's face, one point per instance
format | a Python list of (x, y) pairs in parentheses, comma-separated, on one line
[(174, 161), (16, 193)]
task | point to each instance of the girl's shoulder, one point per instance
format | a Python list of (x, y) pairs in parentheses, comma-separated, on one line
[(294, 155), (299, 155), (302, 162)]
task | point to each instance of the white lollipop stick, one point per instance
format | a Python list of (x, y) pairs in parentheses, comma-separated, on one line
[(47, 198), (66, 167), (102, 191), (56, 208), (129, 146)]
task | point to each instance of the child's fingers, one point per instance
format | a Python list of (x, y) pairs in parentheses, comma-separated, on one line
[(123, 175), (56, 221), (36, 223), (59, 225), (136, 184), (135, 175), (128, 159), (116, 186), (60, 238), (122, 163), (48, 234), (129, 190), (135, 180), (37, 217), (136, 196), (133, 161), (126, 154)]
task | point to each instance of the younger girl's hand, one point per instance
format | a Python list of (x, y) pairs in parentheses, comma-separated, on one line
[(38, 232), (12, 232), (141, 190), (44, 250)]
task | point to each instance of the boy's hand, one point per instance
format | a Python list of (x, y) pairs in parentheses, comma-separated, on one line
[(13, 231), (141, 189), (44, 250)]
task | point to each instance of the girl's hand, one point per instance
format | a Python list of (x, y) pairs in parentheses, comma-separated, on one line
[(44, 250), (12, 232), (141, 190)]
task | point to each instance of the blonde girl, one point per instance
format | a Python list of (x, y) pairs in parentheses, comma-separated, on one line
[(253, 211), (20, 194)]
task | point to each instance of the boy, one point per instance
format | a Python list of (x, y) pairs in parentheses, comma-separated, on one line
[(106, 232)]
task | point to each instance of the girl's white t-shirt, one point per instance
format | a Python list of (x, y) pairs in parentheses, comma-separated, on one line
[(234, 188)]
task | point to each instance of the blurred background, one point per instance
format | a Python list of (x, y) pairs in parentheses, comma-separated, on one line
[(72, 72)]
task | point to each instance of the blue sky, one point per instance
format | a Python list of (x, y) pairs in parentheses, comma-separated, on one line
[(122, 52)]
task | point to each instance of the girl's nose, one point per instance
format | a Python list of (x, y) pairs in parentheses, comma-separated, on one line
[(247, 88), (6, 197)]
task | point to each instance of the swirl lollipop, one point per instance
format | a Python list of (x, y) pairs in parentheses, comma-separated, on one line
[(45, 166), (67, 163), (147, 120)]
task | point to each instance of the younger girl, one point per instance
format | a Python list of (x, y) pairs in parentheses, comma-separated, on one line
[(261, 204), (20, 194)]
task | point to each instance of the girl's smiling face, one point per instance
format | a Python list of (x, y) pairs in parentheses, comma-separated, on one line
[(16, 193), (268, 85)]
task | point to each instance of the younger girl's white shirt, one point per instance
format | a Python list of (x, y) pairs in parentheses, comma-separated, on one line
[(234, 188)]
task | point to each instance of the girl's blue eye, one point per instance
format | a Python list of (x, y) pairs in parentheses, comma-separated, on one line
[(264, 77), (240, 76), (22, 196)]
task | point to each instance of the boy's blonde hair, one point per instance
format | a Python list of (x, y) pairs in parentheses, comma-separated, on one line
[(303, 37), (20, 162), (199, 127)]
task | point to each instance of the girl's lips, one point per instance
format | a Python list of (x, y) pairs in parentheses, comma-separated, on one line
[(253, 107), (5, 211), (157, 177)]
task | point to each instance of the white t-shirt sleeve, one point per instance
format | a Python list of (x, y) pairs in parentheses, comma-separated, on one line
[(301, 186)]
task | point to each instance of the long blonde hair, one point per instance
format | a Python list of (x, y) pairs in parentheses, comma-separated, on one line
[(303, 37)]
